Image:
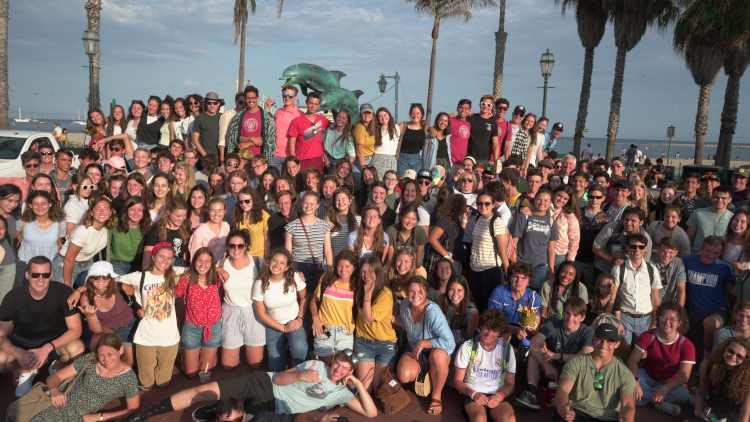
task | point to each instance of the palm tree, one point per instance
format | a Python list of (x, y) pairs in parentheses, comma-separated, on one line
[(500, 38), (442, 10), (591, 16), (4, 101), (239, 21), (735, 63), (93, 13), (631, 18)]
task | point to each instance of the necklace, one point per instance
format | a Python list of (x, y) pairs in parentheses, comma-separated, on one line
[(101, 296)]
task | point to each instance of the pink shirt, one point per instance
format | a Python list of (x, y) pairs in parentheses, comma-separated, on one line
[(283, 119), (309, 143), (203, 236), (569, 233), (460, 132), (251, 127), (21, 182)]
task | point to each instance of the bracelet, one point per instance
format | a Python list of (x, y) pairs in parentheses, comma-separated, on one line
[(472, 395), (53, 345), (367, 300), (502, 397), (463, 393)]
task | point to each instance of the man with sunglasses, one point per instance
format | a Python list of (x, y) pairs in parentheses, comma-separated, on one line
[(504, 129), (484, 133), (610, 245), (283, 118), (596, 386), (294, 392), (617, 167), (30, 161), (61, 176), (424, 181), (43, 326), (206, 128), (47, 154)]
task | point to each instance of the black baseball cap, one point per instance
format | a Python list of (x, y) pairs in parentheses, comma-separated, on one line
[(557, 126), (520, 110), (607, 330), (424, 174), (621, 184)]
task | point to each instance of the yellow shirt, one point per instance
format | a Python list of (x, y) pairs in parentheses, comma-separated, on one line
[(362, 138), (337, 307), (382, 311), (257, 231)]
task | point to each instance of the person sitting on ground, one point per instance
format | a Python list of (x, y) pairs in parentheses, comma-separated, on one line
[(568, 338), (492, 375), (596, 386), (725, 389), (668, 358), (510, 298), (303, 388)]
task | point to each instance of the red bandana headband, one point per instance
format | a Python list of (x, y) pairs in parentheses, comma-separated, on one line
[(161, 245)]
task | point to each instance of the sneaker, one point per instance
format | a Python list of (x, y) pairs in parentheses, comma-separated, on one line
[(671, 408), (526, 400), (205, 413), (25, 382), (52, 370)]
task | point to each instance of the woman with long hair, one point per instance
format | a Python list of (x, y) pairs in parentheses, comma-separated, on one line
[(308, 239), (603, 300), (364, 140), (669, 226), (213, 232), (458, 307), (250, 216), (313, 178), (331, 308), (375, 339), (85, 242), (42, 181), (343, 220), (524, 142), (344, 173), (10, 210), (7, 261), (217, 183), (41, 228), (95, 172), (184, 180), (405, 233), (201, 334), (180, 115), (555, 180), (338, 141), (437, 143), (668, 197), (236, 180), (135, 185), (292, 170), (94, 129), (410, 196), (280, 299), (400, 269), (369, 238), (78, 203), (446, 236), (328, 187), (369, 179), (167, 112), (131, 224), (737, 242), (197, 206), (668, 358), (409, 151), (567, 216), (194, 103), (116, 123), (265, 189), (638, 197), (173, 227), (593, 220), (135, 112), (240, 325), (726, 383), (555, 292), (387, 136), (441, 273), (379, 194), (159, 196)]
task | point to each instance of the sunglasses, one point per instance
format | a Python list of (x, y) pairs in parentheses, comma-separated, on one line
[(245, 201), (416, 104), (467, 180), (519, 113), (212, 102), (503, 108), (31, 166), (88, 187), (485, 105), (595, 197), (405, 248), (100, 277), (641, 247), (47, 153), (350, 353), (616, 165), (486, 176), (42, 275), (733, 353), (288, 95), (240, 419), (236, 246), (115, 149), (241, 102), (236, 165), (599, 377), (194, 103), (484, 204), (425, 182)]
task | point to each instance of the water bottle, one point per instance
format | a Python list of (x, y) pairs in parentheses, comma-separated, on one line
[(711, 416)]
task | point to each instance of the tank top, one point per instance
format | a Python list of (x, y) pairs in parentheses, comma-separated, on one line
[(413, 141), (442, 151), (119, 316), (459, 333)]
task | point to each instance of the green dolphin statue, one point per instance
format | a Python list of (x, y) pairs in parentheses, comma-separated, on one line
[(336, 99), (311, 77)]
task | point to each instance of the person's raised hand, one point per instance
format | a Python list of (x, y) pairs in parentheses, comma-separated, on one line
[(88, 310), (311, 376)]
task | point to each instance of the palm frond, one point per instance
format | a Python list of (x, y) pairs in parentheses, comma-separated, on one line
[(239, 16), (446, 10), (279, 8)]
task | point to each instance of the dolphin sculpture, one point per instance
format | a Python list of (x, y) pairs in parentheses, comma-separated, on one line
[(340, 98), (311, 77)]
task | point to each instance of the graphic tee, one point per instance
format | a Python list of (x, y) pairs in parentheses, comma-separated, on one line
[(302, 397), (309, 142), (487, 367), (706, 284), (251, 126), (460, 133), (534, 233)]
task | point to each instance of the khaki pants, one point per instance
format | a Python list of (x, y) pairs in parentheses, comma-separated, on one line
[(155, 364)]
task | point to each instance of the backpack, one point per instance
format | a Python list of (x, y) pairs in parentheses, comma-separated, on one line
[(472, 362), (650, 272), (492, 233)]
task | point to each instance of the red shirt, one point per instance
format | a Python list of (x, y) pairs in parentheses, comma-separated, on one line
[(251, 126), (309, 143), (663, 360), (203, 305), (460, 132)]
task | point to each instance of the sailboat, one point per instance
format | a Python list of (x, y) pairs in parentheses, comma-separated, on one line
[(20, 118), (42, 122), (34, 120), (79, 121)]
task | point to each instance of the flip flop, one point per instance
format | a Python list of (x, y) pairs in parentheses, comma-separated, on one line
[(430, 410)]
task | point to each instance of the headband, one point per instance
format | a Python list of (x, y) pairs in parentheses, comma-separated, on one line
[(161, 245)]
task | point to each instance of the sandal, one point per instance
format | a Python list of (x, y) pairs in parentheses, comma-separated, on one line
[(431, 410)]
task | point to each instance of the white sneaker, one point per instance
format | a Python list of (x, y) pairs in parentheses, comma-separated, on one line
[(52, 370), (25, 382)]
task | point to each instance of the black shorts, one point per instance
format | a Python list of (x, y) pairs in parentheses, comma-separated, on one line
[(467, 400), (255, 389), (26, 344), (273, 417)]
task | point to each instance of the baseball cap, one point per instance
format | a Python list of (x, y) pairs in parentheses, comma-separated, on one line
[(424, 174), (366, 107), (488, 172), (557, 126), (520, 110), (621, 184), (102, 268), (743, 172), (246, 154), (546, 163), (115, 162), (437, 173), (607, 330), (410, 174), (710, 176)]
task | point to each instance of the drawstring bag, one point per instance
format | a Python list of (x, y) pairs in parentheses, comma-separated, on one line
[(391, 393)]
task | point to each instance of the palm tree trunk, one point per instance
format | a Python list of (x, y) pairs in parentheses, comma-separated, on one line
[(4, 100), (435, 30), (701, 122), (583, 104), (729, 118), (614, 110), (241, 83), (500, 38)]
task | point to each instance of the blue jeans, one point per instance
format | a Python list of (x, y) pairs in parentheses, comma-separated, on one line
[(677, 396), (7, 278), (540, 276), (483, 283), (126, 332), (559, 259), (276, 342), (78, 268), (277, 164), (406, 162), (634, 327), (339, 339), (121, 267)]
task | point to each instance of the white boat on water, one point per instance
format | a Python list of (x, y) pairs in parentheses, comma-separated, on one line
[(20, 118), (79, 121)]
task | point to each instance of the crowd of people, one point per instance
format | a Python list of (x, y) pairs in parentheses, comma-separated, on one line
[(348, 258)]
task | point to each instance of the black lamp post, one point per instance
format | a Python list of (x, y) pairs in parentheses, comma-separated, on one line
[(91, 46), (382, 83), (547, 63)]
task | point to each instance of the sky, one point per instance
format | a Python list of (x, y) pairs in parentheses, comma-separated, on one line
[(181, 47)]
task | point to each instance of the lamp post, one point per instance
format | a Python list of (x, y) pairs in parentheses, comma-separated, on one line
[(547, 63), (382, 83), (91, 46), (670, 135)]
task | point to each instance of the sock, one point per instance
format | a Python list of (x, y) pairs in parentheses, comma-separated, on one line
[(532, 389), (164, 406)]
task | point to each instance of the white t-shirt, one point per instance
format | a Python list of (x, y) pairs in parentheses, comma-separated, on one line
[(75, 209), (423, 217), (352, 241), (238, 290), (389, 144), (187, 126), (541, 139), (279, 306), (471, 198), (485, 376), (58, 131), (159, 326), (89, 239)]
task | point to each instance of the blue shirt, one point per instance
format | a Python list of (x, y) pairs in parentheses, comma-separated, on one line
[(302, 397), (502, 300), (548, 147), (433, 326), (706, 284)]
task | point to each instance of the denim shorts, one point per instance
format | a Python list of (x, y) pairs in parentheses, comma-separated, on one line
[(380, 352), (339, 339), (192, 336), (126, 332)]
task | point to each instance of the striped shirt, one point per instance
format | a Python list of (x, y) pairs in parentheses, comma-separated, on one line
[(300, 247), (336, 309), (339, 238), (483, 253)]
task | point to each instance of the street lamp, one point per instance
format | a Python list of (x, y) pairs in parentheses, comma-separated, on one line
[(547, 63), (670, 135), (91, 46), (382, 83)]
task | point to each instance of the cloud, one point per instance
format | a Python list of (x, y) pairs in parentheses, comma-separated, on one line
[(188, 82)]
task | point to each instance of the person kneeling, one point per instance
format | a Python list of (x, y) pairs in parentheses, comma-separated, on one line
[(486, 371), (568, 338)]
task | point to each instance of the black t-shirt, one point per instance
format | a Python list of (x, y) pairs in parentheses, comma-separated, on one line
[(173, 236), (37, 319), (482, 131), (559, 341)]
